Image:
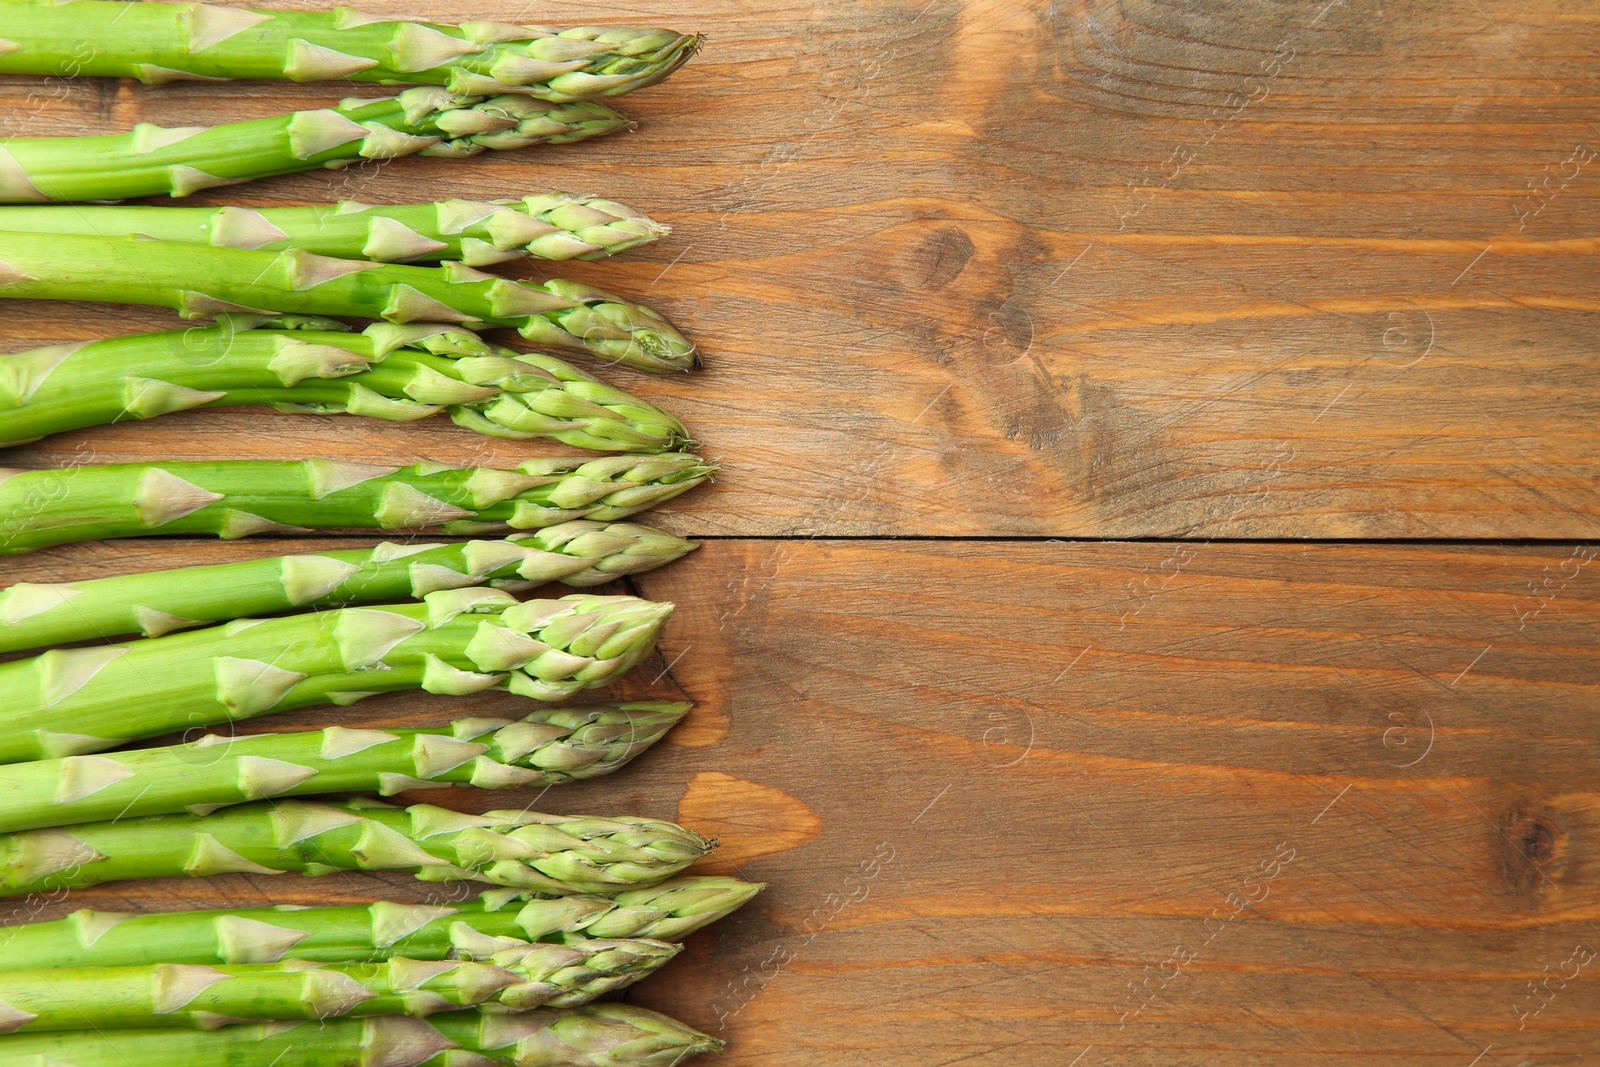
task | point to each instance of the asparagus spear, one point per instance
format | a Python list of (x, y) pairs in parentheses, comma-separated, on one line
[(476, 930), (72, 701), (549, 747), (578, 553), (235, 498), (129, 270), (159, 43), (598, 1035), (388, 371), (206, 998), (551, 226), (154, 160), (518, 849)]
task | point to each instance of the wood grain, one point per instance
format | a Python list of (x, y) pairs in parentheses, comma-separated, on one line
[(990, 787), (1091, 269)]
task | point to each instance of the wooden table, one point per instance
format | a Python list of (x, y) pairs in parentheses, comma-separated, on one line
[(1149, 614)]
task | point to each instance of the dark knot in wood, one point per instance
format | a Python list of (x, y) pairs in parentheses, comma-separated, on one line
[(1532, 846)]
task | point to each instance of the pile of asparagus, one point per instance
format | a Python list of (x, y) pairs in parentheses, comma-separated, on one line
[(577, 906)]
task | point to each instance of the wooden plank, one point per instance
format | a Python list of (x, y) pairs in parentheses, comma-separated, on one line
[(1245, 804), (1089, 269)]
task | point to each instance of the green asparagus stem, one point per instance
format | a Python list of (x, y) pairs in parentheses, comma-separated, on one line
[(477, 930), (553, 226), (549, 747), (389, 371), (602, 1035), (129, 270), (68, 702), (206, 998), (519, 849), (159, 43), (235, 498), (155, 160), (577, 553), (599, 1035)]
